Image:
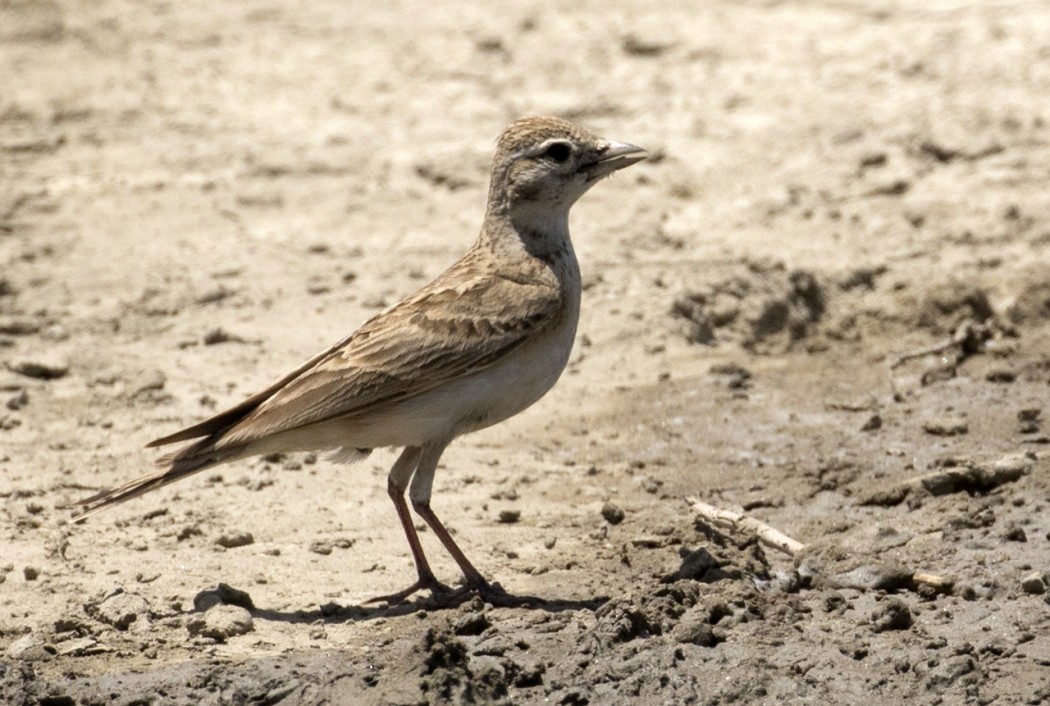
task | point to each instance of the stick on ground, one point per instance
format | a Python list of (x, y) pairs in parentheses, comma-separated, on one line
[(774, 538), (728, 519)]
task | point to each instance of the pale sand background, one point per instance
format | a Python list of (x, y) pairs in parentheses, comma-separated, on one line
[(280, 171)]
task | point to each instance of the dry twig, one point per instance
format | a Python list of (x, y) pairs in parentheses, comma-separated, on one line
[(965, 332), (727, 519), (969, 478), (774, 538)]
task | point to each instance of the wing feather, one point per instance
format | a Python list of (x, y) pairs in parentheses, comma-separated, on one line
[(459, 324)]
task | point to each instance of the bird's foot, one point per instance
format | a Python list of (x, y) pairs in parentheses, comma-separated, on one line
[(428, 583), (442, 595)]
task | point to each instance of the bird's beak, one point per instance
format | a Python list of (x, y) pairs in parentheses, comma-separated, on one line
[(615, 156)]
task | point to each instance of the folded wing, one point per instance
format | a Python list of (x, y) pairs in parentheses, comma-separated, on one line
[(443, 333)]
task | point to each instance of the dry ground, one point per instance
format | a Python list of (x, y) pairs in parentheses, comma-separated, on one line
[(196, 196)]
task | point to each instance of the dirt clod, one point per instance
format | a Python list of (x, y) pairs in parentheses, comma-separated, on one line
[(622, 620), (221, 622), (892, 614), (763, 307), (235, 538), (696, 565), (449, 675), (695, 629), (119, 608), (28, 648), (473, 622)]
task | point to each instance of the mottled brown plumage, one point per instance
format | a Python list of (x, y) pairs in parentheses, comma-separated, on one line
[(477, 345)]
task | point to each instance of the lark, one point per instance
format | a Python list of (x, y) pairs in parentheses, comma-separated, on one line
[(479, 344)]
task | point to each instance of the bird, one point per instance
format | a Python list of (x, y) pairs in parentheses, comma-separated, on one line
[(480, 343)]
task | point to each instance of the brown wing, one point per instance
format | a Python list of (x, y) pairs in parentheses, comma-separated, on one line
[(453, 327), (232, 415)]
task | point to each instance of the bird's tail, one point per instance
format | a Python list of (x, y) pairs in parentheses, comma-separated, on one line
[(174, 466)]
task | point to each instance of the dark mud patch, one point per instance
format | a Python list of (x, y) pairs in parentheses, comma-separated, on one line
[(767, 308)]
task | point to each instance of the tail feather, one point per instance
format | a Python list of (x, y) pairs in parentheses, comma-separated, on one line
[(174, 466)]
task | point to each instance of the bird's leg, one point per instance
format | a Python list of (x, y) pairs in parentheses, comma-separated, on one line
[(422, 483), (397, 482)]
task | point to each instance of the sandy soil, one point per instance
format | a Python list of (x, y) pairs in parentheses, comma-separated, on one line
[(196, 196)]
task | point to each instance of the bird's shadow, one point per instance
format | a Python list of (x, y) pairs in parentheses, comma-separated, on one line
[(334, 613)]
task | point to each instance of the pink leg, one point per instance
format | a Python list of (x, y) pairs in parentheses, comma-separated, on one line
[(474, 578), (396, 484), (422, 484)]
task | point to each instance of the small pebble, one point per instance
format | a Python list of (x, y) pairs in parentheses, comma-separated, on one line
[(41, 368), (1028, 420), (613, 514), (187, 532), (18, 401), (1001, 375), (647, 542), (31, 573), (509, 517), (1029, 414), (1034, 584), (235, 538), (1015, 533), (218, 335), (946, 426)]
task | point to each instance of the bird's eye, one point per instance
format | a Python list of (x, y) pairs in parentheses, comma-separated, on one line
[(558, 151)]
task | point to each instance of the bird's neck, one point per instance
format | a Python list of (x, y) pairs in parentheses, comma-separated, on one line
[(543, 230), (528, 229)]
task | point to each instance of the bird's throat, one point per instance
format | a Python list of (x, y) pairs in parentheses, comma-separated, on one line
[(542, 232)]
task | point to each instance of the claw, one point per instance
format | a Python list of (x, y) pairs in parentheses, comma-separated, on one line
[(431, 584)]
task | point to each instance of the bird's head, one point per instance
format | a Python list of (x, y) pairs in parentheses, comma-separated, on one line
[(546, 164)]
